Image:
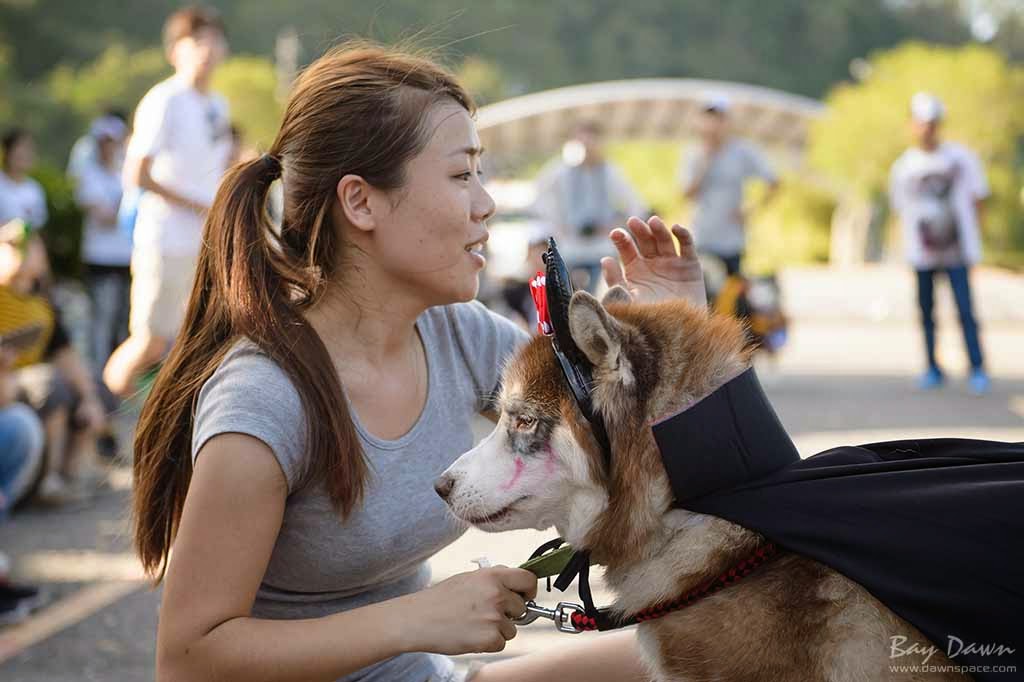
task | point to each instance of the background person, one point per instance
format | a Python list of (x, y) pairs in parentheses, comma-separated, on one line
[(584, 196), (106, 249), (939, 188), (178, 152), (20, 195), (714, 175)]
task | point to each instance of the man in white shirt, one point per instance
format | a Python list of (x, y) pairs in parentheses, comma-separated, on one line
[(937, 188), (177, 154), (20, 196), (582, 196), (714, 174)]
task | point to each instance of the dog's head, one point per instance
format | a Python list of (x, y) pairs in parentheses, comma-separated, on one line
[(542, 466)]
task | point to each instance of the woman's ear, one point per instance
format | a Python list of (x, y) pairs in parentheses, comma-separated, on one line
[(354, 197)]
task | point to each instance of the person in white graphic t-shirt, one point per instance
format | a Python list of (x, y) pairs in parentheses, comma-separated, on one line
[(938, 188), (178, 152)]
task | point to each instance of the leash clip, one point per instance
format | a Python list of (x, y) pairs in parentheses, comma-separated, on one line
[(561, 615)]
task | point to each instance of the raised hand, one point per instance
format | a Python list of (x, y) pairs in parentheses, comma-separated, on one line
[(649, 266)]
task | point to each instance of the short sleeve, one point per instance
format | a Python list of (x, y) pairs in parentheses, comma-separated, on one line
[(252, 395), (758, 166), (151, 127), (974, 175), (895, 186), (487, 341)]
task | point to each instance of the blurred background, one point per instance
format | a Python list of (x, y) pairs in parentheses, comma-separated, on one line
[(822, 89)]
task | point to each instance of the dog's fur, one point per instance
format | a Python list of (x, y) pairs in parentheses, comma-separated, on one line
[(792, 619)]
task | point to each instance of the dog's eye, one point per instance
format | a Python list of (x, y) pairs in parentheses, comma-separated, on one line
[(524, 423)]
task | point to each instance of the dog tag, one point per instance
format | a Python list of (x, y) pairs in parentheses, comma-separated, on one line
[(550, 563)]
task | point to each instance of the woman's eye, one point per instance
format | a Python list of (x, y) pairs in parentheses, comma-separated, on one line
[(525, 423), (465, 176)]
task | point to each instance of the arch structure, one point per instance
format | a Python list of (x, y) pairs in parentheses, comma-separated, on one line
[(651, 109)]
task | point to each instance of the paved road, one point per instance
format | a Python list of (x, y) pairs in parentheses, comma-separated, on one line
[(845, 377)]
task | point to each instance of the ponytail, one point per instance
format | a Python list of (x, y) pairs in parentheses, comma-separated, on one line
[(243, 288)]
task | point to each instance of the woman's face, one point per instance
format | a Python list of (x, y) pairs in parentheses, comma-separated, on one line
[(430, 234)]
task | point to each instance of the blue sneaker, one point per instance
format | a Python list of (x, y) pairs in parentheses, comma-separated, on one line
[(931, 379), (978, 383)]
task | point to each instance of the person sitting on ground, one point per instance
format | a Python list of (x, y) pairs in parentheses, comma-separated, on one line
[(21, 456), (49, 374)]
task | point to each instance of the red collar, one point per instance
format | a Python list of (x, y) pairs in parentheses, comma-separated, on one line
[(602, 620)]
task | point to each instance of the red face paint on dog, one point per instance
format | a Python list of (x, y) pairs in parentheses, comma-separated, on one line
[(515, 476)]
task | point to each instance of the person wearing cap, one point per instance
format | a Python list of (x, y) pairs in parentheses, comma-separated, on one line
[(106, 250), (938, 189), (179, 150), (713, 175)]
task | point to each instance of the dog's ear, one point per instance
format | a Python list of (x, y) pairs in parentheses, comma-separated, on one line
[(617, 294), (596, 333)]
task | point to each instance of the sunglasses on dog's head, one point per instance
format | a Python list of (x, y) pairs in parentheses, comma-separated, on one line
[(552, 293)]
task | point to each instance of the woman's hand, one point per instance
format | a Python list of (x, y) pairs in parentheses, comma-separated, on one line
[(470, 612), (650, 268)]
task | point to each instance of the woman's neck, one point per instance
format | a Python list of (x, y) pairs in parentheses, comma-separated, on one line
[(366, 324)]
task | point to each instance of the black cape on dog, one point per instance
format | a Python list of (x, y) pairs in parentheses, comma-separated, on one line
[(933, 528)]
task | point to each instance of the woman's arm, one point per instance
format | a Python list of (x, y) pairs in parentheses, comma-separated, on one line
[(614, 657), (231, 519)]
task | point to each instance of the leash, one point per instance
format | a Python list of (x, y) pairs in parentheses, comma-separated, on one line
[(552, 558)]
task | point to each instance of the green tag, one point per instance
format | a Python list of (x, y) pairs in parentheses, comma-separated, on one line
[(550, 563)]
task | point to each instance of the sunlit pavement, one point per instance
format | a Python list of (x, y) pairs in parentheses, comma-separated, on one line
[(847, 376)]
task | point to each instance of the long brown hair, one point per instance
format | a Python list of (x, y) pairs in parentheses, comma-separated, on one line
[(360, 109)]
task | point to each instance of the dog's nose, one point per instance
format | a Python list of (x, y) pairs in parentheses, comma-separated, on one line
[(444, 484)]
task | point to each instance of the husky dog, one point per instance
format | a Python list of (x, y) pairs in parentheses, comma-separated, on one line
[(791, 619)]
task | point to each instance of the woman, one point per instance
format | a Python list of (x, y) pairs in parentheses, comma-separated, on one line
[(303, 519)]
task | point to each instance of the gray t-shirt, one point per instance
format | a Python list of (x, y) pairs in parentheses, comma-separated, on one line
[(321, 565), (715, 224)]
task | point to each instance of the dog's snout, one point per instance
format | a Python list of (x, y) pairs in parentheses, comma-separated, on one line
[(444, 485)]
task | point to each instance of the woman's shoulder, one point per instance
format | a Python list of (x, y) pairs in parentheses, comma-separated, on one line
[(250, 393)]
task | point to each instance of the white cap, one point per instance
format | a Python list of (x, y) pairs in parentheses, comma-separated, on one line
[(926, 108), (108, 126), (715, 102)]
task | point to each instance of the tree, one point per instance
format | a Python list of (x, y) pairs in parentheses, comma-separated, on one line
[(249, 84), (865, 126)]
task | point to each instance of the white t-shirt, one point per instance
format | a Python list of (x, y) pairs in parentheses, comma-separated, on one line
[(24, 199), (934, 193), (102, 244), (188, 135), (716, 221)]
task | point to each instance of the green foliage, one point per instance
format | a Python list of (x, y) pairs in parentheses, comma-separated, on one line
[(63, 230), (483, 79), (249, 83), (866, 124), (116, 78)]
